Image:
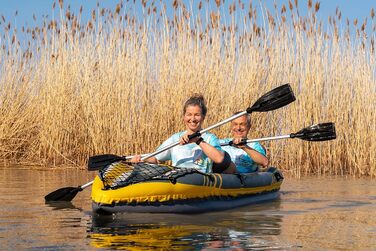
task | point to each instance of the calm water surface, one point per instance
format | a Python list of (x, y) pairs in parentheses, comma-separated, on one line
[(316, 213)]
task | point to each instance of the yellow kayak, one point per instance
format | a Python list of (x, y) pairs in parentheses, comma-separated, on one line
[(152, 188)]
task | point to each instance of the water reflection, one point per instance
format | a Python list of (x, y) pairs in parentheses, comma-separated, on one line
[(240, 229), (61, 205)]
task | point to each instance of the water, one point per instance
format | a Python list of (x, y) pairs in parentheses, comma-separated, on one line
[(315, 213)]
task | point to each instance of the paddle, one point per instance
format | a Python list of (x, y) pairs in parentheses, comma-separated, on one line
[(318, 132), (98, 161), (274, 99)]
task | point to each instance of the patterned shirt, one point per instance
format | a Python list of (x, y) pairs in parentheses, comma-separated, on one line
[(244, 163), (189, 155)]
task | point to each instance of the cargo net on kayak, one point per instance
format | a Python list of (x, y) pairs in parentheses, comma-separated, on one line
[(121, 174)]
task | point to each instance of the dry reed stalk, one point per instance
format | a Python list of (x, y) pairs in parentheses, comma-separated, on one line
[(117, 85)]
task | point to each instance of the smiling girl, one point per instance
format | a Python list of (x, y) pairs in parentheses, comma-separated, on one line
[(200, 152)]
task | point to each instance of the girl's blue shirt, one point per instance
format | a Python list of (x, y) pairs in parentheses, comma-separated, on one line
[(189, 155)]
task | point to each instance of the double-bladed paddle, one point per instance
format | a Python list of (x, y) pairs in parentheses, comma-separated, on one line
[(318, 132), (274, 99)]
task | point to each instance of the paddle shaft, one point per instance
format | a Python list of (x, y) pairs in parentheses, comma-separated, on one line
[(263, 139), (87, 184), (269, 138)]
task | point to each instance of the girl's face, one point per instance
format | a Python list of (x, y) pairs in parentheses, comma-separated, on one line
[(193, 118)]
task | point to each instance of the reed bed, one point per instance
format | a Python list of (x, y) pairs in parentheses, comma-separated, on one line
[(115, 83)]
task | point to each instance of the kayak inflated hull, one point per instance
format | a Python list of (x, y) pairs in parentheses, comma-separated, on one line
[(186, 207), (189, 193)]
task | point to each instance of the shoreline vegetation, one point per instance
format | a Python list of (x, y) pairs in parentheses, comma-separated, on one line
[(116, 83)]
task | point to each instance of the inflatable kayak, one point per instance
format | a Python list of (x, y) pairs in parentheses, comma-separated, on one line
[(151, 188)]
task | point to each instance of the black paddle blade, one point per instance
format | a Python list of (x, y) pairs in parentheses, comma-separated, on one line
[(274, 99), (99, 161), (63, 194), (319, 132)]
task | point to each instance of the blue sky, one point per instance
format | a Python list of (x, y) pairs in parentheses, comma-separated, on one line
[(350, 9)]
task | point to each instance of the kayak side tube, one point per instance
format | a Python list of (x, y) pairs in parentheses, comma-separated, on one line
[(192, 193)]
